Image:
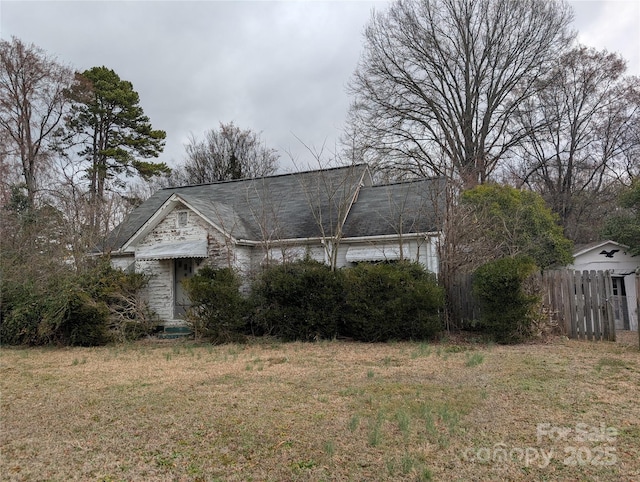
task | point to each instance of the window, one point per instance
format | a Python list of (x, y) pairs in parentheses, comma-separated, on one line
[(183, 219)]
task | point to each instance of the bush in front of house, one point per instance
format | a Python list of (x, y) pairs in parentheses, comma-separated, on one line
[(66, 307), (508, 309), (303, 300), (58, 312), (129, 315), (218, 309), (400, 301)]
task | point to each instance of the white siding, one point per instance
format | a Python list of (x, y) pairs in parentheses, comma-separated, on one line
[(262, 256), (316, 253), (122, 262), (296, 253), (621, 261), (167, 230), (160, 290), (242, 260), (424, 251)]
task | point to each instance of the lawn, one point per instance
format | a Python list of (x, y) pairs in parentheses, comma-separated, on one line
[(455, 410)]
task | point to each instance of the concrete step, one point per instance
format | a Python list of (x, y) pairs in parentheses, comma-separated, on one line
[(171, 332), (177, 329)]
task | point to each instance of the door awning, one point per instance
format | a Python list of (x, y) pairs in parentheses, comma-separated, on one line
[(356, 254), (183, 249)]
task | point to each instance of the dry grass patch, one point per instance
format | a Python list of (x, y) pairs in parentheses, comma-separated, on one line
[(323, 411)]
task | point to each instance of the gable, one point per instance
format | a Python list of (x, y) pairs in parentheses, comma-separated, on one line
[(605, 255), (173, 221), (179, 224)]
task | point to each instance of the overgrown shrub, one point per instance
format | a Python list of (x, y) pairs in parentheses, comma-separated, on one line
[(58, 313), (21, 311), (82, 321), (522, 219), (64, 307), (392, 302), (218, 310), (299, 301), (508, 310), (129, 315)]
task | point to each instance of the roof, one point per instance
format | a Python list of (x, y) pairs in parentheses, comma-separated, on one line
[(294, 206), (407, 207)]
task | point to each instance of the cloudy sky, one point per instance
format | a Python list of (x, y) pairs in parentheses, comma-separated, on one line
[(278, 68)]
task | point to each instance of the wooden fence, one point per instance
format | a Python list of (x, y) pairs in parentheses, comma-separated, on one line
[(579, 302), (462, 307)]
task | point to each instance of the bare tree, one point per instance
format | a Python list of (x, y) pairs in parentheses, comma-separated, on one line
[(591, 111), (267, 213), (32, 105), (9, 175), (330, 193), (440, 80), (71, 196), (227, 153)]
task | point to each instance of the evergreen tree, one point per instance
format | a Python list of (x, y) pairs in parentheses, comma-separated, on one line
[(114, 134), (509, 222)]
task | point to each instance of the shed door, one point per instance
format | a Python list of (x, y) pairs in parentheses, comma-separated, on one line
[(620, 307), (184, 268)]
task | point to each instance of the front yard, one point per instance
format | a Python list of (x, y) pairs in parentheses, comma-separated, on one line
[(324, 411)]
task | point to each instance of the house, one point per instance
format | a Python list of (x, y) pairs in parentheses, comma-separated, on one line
[(614, 257), (336, 216)]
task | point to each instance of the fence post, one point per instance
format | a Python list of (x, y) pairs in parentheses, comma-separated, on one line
[(602, 307), (577, 278), (568, 296), (638, 304), (608, 285)]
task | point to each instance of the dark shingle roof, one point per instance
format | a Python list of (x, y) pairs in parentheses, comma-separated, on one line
[(290, 206), (277, 207), (407, 207)]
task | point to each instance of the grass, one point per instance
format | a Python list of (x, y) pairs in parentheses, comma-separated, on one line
[(474, 359), (277, 411)]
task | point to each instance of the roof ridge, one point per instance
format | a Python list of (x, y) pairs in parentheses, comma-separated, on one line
[(410, 181), (273, 176)]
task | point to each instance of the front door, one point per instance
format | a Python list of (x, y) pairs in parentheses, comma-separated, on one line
[(620, 307), (184, 269)]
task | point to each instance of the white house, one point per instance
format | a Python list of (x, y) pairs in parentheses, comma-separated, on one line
[(614, 257), (333, 215)]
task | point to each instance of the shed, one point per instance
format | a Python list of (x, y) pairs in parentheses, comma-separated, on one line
[(617, 259)]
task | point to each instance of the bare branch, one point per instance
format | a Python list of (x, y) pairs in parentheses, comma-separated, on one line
[(440, 79)]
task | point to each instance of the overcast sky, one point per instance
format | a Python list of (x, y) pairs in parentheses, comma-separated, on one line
[(277, 68)]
